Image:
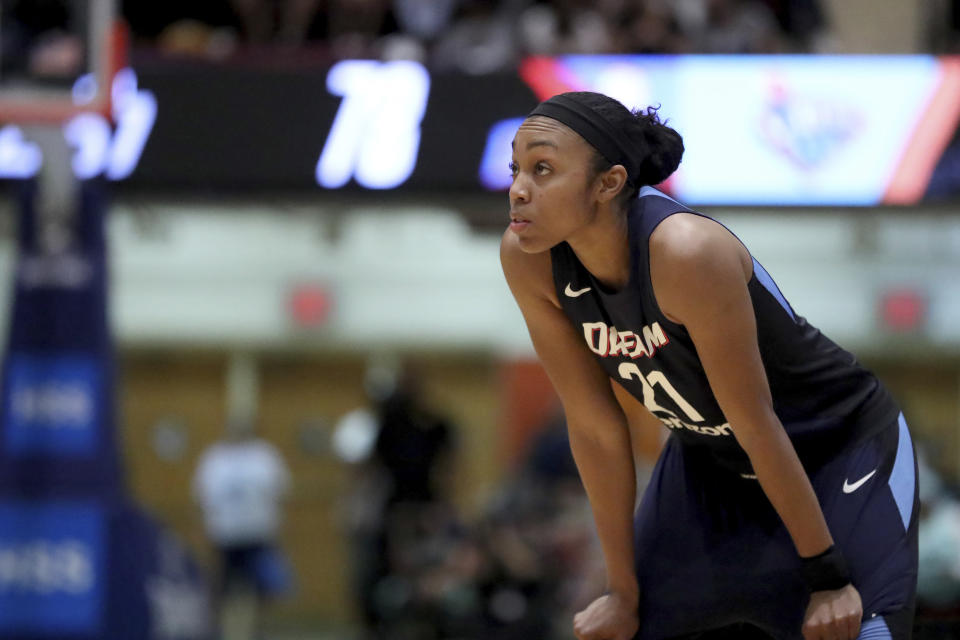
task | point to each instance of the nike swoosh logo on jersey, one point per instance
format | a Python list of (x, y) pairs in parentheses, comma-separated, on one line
[(850, 488), (575, 294)]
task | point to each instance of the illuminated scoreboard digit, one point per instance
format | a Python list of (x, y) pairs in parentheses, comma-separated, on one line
[(375, 136)]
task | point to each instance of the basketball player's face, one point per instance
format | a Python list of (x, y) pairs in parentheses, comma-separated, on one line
[(551, 197)]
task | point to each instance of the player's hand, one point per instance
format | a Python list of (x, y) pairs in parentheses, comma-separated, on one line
[(609, 617), (833, 615)]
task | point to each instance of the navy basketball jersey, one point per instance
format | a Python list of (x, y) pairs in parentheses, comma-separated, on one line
[(823, 397)]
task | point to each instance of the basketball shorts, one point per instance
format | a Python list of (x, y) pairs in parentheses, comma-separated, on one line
[(712, 552), (260, 567)]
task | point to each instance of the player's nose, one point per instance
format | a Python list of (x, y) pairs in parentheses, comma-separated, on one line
[(519, 191)]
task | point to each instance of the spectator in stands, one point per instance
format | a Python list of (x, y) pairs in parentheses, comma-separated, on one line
[(148, 20), (480, 40), (586, 27), (737, 26), (538, 30), (284, 21), (802, 22), (424, 19), (652, 27), (482, 36), (39, 38), (354, 26)]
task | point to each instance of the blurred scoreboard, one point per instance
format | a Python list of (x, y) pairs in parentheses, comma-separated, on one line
[(759, 130)]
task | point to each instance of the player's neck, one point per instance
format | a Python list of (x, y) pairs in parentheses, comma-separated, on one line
[(603, 247)]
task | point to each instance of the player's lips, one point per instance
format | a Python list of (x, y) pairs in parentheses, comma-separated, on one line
[(518, 223)]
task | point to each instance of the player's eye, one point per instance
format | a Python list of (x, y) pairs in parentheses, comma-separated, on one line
[(542, 169), (514, 168)]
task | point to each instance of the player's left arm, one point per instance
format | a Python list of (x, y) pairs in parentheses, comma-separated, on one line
[(700, 273)]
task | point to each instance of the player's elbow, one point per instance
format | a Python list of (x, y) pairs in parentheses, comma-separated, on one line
[(597, 436)]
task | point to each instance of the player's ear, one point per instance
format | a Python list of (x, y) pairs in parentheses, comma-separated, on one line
[(612, 182)]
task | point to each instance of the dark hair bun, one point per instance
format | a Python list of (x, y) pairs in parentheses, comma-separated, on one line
[(654, 148), (662, 146)]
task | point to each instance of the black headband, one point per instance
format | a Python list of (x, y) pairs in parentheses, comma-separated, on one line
[(592, 127)]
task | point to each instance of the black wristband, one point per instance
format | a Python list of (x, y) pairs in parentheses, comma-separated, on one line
[(825, 571)]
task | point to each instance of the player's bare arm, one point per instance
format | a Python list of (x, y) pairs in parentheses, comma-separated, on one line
[(599, 436), (700, 273), (647, 434)]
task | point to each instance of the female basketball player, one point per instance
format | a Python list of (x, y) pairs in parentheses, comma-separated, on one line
[(784, 502)]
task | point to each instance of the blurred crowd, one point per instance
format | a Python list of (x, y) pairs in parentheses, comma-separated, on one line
[(938, 585), (475, 36), (423, 570)]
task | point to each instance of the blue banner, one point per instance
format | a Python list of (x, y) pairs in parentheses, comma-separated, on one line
[(54, 404), (77, 559), (56, 398), (52, 567)]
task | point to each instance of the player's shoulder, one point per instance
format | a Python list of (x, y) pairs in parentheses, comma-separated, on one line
[(527, 274), (695, 262), (690, 241)]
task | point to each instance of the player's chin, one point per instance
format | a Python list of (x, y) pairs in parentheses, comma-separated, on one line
[(530, 242)]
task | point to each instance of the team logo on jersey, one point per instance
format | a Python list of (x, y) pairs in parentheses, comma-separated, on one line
[(569, 291), (608, 341)]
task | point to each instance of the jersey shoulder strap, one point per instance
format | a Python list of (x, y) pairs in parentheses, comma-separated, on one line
[(654, 207)]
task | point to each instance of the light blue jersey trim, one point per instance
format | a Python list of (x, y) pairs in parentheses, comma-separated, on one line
[(903, 480), (650, 191), (764, 278), (875, 629)]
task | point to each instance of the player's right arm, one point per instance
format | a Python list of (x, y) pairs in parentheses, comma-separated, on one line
[(647, 435), (599, 437)]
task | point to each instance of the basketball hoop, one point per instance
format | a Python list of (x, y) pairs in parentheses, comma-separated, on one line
[(56, 75)]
